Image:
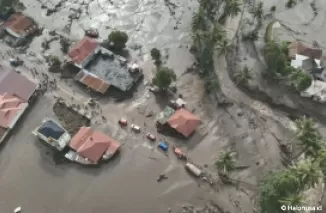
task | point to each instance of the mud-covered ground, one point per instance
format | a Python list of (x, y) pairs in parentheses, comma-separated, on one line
[(128, 184)]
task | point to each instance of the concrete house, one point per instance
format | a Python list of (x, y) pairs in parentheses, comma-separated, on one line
[(101, 69), (53, 134)]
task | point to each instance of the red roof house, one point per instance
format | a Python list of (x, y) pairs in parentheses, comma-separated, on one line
[(92, 82), (93, 144), (11, 108), (184, 122), (83, 50), (16, 84), (20, 25)]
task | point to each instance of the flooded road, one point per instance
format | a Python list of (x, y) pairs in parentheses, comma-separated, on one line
[(30, 178)]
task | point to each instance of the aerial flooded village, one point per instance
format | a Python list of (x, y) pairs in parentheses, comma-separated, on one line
[(162, 106)]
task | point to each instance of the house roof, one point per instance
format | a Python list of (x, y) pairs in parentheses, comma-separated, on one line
[(184, 122), (21, 24), (164, 115), (10, 106), (51, 129), (92, 144), (92, 81), (15, 84), (298, 48), (83, 49)]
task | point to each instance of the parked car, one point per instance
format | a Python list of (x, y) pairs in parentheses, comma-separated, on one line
[(150, 136), (123, 122), (135, 128)]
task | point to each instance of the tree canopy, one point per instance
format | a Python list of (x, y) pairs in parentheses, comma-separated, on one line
[(119, 39), (163, 78)]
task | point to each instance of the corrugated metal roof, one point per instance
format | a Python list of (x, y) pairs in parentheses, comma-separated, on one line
[(83, 49), (10, 107), (184, 122), (16, 84), (92, 81), (92, 144)]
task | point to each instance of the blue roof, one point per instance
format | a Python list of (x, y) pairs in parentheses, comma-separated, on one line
[(163, 146), (51, 129)]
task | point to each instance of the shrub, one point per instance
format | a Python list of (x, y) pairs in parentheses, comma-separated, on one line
[(163, 78), (118, 39)]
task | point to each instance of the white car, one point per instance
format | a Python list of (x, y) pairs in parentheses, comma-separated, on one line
[(135, 128)]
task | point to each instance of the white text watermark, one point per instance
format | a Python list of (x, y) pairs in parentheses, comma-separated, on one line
[(301, 208)]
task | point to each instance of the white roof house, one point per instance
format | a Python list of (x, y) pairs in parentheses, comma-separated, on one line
[(299, 60)]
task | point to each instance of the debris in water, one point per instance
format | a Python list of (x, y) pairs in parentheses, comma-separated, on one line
[(18, 209)]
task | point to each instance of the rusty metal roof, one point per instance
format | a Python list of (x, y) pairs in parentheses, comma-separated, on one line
[(92, 81), (83, 49)]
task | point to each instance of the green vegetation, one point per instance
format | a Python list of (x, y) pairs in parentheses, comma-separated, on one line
[(243, 76), (225, 163), (269, 32), (156, 56), (290, 3), (257, 12), (286, 187), (232, 8), (163, 78), (118, 39), (208, 35), (273, 9), (277, 60), (55, 61)]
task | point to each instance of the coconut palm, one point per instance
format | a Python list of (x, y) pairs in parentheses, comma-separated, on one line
[(292, 200), (218, 33), (308, 136), (223, 46), (258, 12), (232, 7), (212, 83), (225, 163), (308, 173), (244, 75), (199, 20), (305, 126)]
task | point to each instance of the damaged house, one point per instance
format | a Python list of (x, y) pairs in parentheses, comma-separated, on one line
[(18, 29), (101, 69)]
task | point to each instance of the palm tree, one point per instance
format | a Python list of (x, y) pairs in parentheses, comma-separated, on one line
[(199, 21), (232, 7), (308, 173), (258, 12), (225, 163), (309, 137), (305, 126), (218, 33), (244, 75), (223, 46), (292, 200), (212, 83)]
